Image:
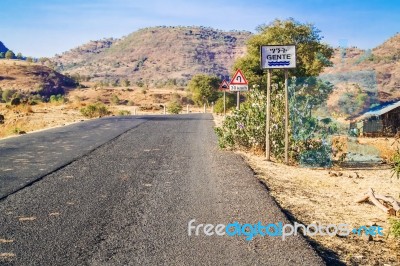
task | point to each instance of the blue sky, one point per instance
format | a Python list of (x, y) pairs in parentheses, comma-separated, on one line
[(44, 28)]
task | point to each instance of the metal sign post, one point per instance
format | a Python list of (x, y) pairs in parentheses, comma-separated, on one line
[(267, 143), (224, 103), (286, 118), (277, 57), (224, 87)]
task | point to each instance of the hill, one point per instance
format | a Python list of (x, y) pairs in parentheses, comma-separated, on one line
[(376, 72), (27, 78), (3, 49), (158, 56)]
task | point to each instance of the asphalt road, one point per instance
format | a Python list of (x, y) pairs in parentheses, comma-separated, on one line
[(27, 158), (129, 201)]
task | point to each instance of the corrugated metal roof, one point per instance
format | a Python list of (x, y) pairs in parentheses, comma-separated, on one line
[(381, 111)]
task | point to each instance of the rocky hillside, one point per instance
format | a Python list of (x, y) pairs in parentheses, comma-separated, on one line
[(157, 55), (26, 78), (375, 72)]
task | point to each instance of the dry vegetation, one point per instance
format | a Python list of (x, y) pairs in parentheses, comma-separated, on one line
[(25, 118), (377, 69), (328, 196), (157, 56), (24, 77)]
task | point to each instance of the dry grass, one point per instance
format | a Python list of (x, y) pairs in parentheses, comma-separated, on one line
[(28, 118), (383, 147), (387, 147), (31, 118), (328, 197)]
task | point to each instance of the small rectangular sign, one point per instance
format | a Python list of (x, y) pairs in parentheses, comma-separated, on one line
[(238, 87), (278, 56)]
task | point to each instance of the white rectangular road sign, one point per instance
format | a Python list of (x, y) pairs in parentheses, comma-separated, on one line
[(238, 87), (278, 56)]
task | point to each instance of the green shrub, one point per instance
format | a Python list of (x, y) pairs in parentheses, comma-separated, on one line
[(114, 99), (229, 103), (395, 227), (6, 95), (57, 99), (95, 110), (17, 130), (124, 112), (245, 128), (396, 164), (34, 99), (174, 108)]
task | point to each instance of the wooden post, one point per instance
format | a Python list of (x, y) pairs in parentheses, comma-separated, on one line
[(224, 104), (238, 100), (134, 111), (286, 119), (212, 107), (187, 108), (267, 127), (165, 109), (204, 108)]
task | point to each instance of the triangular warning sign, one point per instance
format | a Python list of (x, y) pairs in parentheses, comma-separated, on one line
[(224, 86), (238, 79)]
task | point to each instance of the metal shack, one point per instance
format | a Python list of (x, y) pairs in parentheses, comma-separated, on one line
[(383, 120)]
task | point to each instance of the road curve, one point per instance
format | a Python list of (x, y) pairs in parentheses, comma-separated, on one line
[(129, 201)]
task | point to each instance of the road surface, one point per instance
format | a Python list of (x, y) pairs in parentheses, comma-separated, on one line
[(27, 158), (127, 199)]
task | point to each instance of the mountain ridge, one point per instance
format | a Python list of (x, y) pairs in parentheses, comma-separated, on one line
[(157, 55), (376, 71)]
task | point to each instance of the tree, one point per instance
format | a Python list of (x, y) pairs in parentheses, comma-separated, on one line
[(246, 128), (174, 107), (2, 55), (204, 88), (312, 55), (19, 56), (10, 54)]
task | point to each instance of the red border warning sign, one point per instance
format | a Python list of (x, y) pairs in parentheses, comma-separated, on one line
[(224, 86), (239, 79)]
